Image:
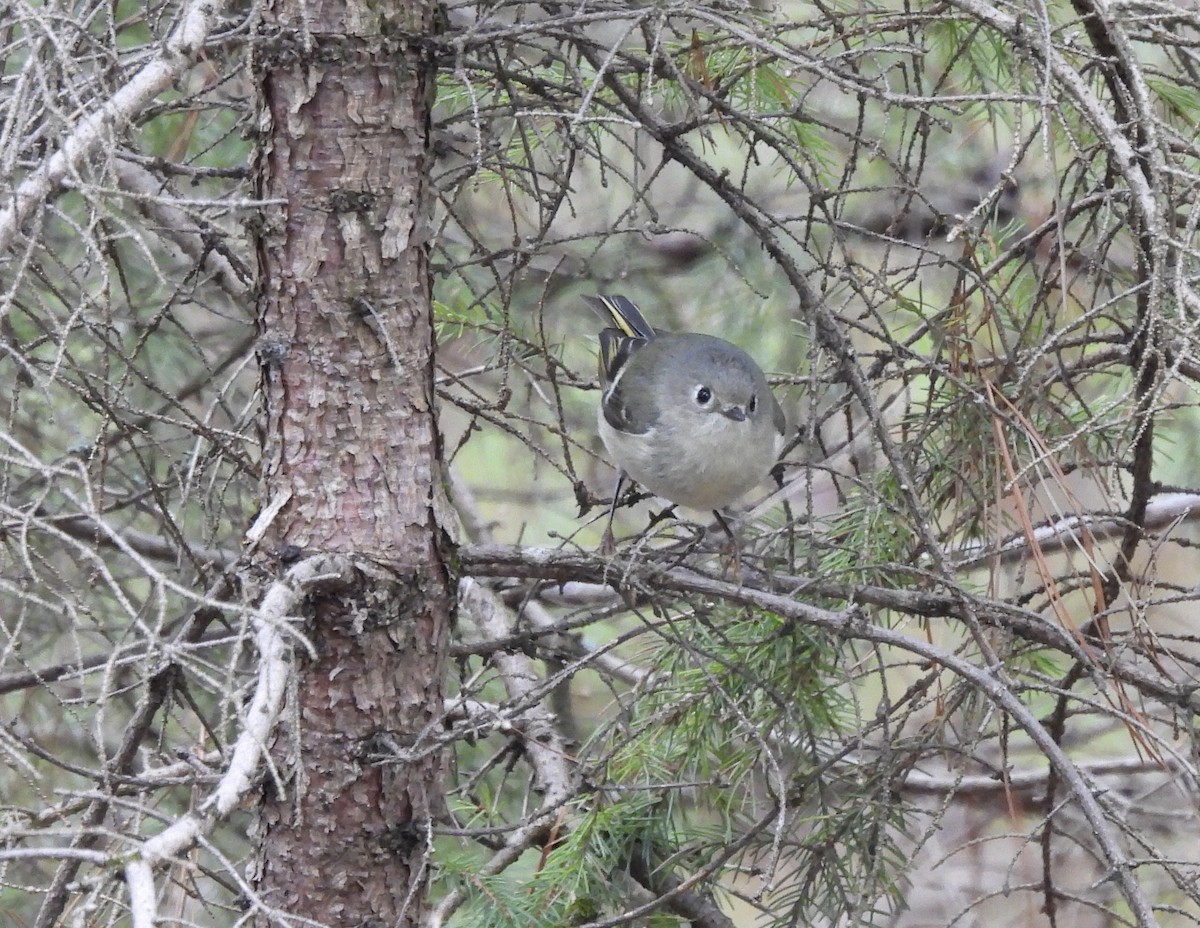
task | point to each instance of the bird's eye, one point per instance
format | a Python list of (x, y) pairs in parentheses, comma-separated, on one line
[(703, 395), (753, 404)]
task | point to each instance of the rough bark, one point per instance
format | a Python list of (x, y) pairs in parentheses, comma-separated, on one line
[(351, 444)]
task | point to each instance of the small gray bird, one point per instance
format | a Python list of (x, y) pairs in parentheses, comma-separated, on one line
[(690, 417)]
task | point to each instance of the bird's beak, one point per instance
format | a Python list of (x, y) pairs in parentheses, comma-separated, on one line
[(736, 413)]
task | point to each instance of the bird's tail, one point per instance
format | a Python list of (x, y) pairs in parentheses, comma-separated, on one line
[(621, 314)]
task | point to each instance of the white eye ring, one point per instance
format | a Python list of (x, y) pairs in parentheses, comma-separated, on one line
[(703, 395)]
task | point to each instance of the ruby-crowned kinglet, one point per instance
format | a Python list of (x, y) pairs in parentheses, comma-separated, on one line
[(690, 417)]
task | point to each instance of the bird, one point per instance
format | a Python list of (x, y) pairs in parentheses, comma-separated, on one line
[(688, 416)]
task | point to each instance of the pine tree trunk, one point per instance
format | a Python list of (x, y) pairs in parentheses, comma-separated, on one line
[(351, 444)]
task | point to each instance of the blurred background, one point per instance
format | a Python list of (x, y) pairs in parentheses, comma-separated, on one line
[(964, 255)]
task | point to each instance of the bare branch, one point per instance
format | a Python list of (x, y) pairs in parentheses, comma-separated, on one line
[(175, 56)]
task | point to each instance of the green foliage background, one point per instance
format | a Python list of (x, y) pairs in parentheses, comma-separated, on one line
[(907, 213)]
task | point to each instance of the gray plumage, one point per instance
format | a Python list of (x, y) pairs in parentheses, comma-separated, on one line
[(690, 417)]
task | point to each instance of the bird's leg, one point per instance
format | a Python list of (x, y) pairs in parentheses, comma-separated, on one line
[(733, 542), (608, 547)]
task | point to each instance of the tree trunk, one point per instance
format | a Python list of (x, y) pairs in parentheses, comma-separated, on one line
[(351, 446)]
